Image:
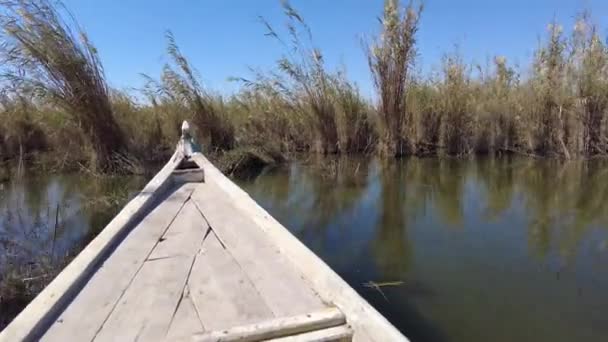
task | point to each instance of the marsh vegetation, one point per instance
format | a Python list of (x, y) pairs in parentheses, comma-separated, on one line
[(55, 100)]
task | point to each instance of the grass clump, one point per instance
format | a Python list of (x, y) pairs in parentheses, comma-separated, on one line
[(303, 81), (390, 60), (500, 120), (323, 103), (549, 83), (20, 133), (458, 121), (590, 66), (46, 57)]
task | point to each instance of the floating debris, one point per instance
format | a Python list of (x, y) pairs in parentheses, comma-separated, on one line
[(378, 286)]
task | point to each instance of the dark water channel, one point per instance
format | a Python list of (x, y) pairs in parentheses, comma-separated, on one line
[(486, 250), (461, 250)]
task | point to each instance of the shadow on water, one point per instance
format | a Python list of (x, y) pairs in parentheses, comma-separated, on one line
[(487, 249), (44, 222)]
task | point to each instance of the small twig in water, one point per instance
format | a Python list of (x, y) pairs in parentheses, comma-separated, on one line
[(35, 278), (55, 232), (377, 286)]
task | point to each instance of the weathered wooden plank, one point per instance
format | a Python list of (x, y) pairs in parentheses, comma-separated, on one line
[(189, 175), (185, 235), (365, 320), (81, 320), (33, 321), (185, 323), (279, 283), (336, 334), (146, 309), (361, 336), (278, 327), (220, 290)]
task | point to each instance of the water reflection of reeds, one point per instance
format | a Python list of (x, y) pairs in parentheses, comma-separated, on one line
[(563, 201), (485, 236)]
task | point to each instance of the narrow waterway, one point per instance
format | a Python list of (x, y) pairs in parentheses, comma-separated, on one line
[(468, 250), (448, 250)]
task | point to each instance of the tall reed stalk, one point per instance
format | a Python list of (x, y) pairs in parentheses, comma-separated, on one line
[(181, 89), (390, 59), (303, 79), (590, 66), (48, 55)]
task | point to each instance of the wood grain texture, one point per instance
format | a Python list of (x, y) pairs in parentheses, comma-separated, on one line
[(33, 321), (221, 292), (185, 235), (147, 308), (279, 283), (278, 327), (185, 322), (336, 334), (81, 320)]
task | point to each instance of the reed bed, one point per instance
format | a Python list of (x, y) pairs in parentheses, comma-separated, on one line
[(54, 98)]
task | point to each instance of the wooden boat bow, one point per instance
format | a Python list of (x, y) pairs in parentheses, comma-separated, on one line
[(193, 257)]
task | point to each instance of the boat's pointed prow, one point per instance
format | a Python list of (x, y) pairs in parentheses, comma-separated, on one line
[(193, 257), (188, 170), (185, 129)]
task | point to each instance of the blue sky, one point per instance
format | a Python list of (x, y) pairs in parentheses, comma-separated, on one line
[(223, 37)]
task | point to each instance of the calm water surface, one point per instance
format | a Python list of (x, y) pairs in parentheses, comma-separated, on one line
[(487, 250)]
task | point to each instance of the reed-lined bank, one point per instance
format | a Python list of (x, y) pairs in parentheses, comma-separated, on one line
[(58, 111)]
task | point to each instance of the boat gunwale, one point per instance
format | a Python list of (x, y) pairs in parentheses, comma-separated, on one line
[(361, 315), (35, 319), (31, 323)]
